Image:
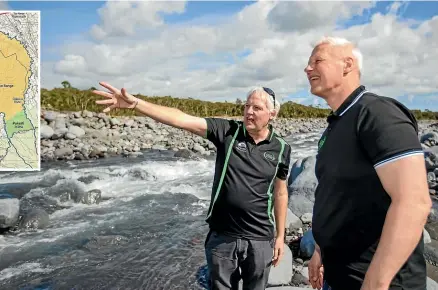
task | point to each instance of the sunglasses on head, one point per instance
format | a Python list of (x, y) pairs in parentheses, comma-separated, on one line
[(270, 92)]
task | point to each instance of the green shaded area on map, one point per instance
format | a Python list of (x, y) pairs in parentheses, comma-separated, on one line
[(18, 123)]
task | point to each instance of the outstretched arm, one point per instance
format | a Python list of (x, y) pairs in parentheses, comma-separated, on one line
[(173, 117), (170, 116)]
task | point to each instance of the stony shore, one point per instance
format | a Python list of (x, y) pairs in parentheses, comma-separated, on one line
[(85, 135)]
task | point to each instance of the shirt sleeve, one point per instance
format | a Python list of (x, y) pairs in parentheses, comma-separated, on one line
[(283, 166), (217, 129), (388, 131)]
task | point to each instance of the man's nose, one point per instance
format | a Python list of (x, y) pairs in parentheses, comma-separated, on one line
[(308, 68)]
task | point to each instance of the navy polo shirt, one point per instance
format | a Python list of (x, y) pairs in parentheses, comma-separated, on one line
[(242, 194), (367, 131)]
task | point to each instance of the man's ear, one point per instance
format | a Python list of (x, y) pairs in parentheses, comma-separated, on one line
[(348, 65), (273, 114)]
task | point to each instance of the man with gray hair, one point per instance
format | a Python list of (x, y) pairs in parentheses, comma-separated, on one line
[(372, 199), (252, 165)]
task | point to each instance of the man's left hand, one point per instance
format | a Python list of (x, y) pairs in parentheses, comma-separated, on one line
[(278, 251)]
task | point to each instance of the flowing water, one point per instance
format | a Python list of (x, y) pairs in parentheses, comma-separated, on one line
[(146, 233)]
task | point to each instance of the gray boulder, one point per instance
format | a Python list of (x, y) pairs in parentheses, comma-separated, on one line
[(430, 139), (302, 179), (9, 210), (50, 116), (76, 131), (431, 284), (36, 218), (302, 185), (292, 221), (46, 132), (93, 196), (282, 274), (300, 205)]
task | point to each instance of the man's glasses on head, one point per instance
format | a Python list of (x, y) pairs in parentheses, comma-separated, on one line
[(270, 92)]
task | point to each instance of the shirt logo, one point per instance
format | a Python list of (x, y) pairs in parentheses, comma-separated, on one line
[(321, 142), (269, 156), (241, 146)]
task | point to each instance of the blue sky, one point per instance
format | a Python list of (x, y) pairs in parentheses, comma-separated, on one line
[(218, 50)]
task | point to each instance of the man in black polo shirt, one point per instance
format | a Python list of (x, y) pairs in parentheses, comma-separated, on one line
[(252, 165), (372, 200)]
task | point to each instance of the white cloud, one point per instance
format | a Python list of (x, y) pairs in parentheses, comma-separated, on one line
[(4, 5), (145, 55), (121, 18), (303, 16)]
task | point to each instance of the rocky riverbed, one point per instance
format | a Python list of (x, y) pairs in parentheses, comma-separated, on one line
[(85, 135)]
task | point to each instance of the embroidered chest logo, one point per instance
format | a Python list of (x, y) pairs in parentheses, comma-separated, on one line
[(321, 142), (241, 146), (269, 156)]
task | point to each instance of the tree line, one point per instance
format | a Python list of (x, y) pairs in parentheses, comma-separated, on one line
[(70, 99)]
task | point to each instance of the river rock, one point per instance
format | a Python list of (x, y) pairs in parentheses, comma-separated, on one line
[(306, 218), (300, 205), (185, 153), (431, 284), (430, 139), (282, 274), (299, 279), (34, 219), (60, 153), (105, 242), (76, 131), (292, 221), (91, 197), (302, 185), (9, 210), (303, 181), (49, 116), (426, 237), (46, 132)]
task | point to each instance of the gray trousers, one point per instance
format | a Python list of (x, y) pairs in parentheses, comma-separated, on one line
[(231, 259)]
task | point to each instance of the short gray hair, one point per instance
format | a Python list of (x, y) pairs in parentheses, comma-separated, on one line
[(339, 41), (260, 91)]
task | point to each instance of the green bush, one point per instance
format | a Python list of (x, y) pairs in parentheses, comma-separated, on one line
[(70, 99)]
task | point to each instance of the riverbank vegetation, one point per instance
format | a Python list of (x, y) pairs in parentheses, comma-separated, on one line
[(71, 99)]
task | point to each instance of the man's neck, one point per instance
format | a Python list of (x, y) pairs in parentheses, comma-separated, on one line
[(338, 95), (259, 136)]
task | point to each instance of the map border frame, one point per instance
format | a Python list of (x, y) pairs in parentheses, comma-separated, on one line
[(38, 83)]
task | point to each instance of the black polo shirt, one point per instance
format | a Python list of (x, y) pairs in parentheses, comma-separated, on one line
[(242, 194), (366, 131)]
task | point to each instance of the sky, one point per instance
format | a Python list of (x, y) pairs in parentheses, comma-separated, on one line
[(218, 51)]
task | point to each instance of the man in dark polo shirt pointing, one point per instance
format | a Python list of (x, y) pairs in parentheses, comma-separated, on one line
[(252, 165), (372, 200)]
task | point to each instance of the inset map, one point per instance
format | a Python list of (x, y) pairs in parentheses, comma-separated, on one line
[(19, 90)]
